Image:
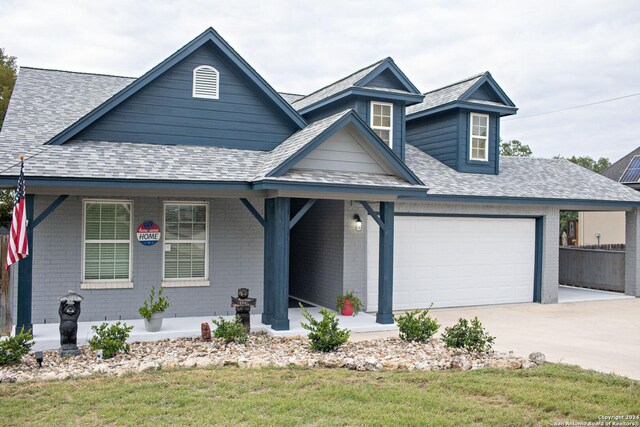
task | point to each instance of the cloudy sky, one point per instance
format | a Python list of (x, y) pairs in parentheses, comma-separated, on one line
[(547, 55)]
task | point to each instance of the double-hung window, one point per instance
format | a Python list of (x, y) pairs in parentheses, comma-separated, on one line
[(382, 121), (185, 244), (107, 244), (479, 137)]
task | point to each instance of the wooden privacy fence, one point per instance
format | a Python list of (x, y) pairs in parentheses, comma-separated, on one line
[(5, 304), (592, 268)]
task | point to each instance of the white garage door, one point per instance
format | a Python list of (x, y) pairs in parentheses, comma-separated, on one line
[(454, 262)]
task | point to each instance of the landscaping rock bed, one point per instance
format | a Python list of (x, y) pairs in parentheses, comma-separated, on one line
[(260, 351)]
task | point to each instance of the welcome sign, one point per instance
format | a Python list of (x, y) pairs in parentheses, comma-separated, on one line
[(148, 233)]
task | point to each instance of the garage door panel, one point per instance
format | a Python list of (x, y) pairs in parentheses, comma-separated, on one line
[(456, 261)]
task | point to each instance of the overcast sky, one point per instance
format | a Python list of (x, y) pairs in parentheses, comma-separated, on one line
[(546, 55)]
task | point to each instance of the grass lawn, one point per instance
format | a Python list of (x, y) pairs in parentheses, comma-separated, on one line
[(226, 396)]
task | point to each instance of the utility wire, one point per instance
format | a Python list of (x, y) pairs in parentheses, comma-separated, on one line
[(25, 159), (572, 108)]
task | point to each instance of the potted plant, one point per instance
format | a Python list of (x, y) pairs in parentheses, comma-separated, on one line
[(152, 310), (349, 304)]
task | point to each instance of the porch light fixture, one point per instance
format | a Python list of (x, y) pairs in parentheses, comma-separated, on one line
[(358, 221)]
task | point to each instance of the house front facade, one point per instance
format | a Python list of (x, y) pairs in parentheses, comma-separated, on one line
[(200, 178)]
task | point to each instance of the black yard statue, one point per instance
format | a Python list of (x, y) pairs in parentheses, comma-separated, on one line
[(243, 305), (69, 312)]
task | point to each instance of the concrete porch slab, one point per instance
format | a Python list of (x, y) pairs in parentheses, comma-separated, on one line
[(47, 336), (575, 294)]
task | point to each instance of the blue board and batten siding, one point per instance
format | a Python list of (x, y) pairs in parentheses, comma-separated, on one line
[(165, 112), (436, 136), (386, 80), (445, 137)]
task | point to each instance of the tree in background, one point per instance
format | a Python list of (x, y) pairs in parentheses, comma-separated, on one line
[(515, 148), (586, 162), (8, 73)]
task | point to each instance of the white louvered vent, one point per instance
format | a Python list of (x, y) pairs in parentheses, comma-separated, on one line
[(206, 80)]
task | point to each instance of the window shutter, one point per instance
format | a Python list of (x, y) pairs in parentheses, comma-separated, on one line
[(205, 82)]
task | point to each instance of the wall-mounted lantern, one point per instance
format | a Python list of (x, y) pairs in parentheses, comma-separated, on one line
[(358, 222)]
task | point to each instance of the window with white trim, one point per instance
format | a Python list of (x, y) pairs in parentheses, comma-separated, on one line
[(206, 81), (186, 241), (382, 121), (479, 137), (107, 241)]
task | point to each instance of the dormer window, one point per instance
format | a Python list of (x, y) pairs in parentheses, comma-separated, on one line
[(381, 121), (479, 137), (206, 80)]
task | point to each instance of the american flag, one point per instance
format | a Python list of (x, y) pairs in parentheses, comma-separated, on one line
[(18, 244)]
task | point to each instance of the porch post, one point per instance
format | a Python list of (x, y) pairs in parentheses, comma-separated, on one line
[(277, 261), (269, 213), (631, 260), (25, 274), (385, 273)]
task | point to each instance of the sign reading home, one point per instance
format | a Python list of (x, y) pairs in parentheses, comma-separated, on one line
[(148, 233)]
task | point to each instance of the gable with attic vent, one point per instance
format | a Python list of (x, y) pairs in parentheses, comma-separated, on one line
[(223, 109)]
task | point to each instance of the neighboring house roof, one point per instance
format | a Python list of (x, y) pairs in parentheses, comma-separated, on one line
[(519, 178), (460, 91), (617, 169), (357, 80)]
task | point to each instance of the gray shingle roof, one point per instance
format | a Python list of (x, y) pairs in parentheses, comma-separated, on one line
[(334, 88), (519, 177), (45, 102), (444, 95), (291, 97)]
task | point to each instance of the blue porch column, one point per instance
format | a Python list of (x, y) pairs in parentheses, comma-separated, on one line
[(25, 274), (276, 258), (385, 265)]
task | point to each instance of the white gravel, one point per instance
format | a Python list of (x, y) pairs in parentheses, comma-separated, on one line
[(260, 351)]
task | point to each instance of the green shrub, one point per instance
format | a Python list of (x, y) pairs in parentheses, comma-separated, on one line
[(230, 331), (111, 339), (417, 325), (353, 299), (152, 306), (324, 334), (470, 336), (14, 348)]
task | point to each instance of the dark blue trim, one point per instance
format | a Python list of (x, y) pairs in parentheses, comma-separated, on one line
[(526, 201), (350, 118), (253, 211), (298, 216), (445, 215), (52, 207), (373, 214), (268, 254), (25, 274), (129, 183), (372, 93), (278, 270), (468, 105), (411, 193), (487, 78), (208, 36), (537, 273), (389, 64), (385, 269)]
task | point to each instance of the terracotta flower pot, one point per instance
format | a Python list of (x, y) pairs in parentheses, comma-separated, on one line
[(347, 310)]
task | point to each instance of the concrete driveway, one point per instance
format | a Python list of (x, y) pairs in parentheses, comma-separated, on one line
[(599, 335)]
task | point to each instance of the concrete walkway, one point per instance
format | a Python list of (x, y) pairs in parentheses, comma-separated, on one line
[(600, 335)]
